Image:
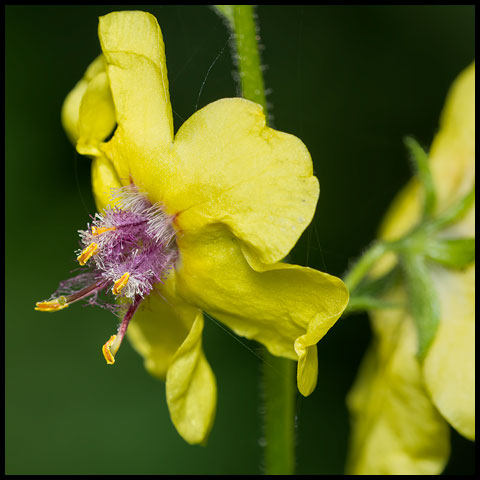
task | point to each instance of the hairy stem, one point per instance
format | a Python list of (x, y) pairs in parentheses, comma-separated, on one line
[(279, 422), (248, 56), (359, 270)]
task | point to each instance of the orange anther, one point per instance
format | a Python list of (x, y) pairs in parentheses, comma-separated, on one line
[(107, 353), (87, 253), (52, 305), (100, 230), (119, 285)]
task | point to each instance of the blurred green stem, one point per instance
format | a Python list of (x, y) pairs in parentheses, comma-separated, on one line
[(279, 422), (278, 373), (359, 270)]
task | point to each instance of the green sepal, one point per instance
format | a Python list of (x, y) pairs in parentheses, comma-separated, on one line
[(357, 272), (420, 162), (367, 294), (422, 299), (379, 285), (453, 252), (455, 212)]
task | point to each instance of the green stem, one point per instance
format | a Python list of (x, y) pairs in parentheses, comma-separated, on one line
[(356, 274), (278, 373), (248, 57), (279, 423)]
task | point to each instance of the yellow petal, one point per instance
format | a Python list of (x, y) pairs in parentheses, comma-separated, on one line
[(160, 326), (449, 368), (395, 429), (71, 105), (191, 388), (167, 333), (227, 166), (231, 168), (285, 307), (259, 181), (71, 109), (133, 47), (452, 154), (104, 178), (96, 116)]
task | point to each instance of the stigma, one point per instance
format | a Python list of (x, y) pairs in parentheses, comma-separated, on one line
[(126, 251)]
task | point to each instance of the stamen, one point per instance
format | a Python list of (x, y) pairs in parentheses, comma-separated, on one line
[(87, 253), (64, 301), (120, 284), (100, 230), (112, 345), (52, 305), (86, 292)]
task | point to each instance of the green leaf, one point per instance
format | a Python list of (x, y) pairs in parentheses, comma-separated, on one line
[(453, 253), (422, 300), (420, 161)]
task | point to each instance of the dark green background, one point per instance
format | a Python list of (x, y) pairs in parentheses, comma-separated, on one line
[(351, 82)]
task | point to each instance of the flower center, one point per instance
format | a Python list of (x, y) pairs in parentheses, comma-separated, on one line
[(130, 247)]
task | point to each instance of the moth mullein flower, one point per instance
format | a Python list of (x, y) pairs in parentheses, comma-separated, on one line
[(193, 222), (402, 406)]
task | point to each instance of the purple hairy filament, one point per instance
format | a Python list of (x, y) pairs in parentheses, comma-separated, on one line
[(130, 247)]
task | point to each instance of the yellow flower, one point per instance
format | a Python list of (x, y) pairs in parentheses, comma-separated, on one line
[(400, 406), (236, 196)]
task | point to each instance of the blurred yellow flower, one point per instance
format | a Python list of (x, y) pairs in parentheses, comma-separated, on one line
[(401, 407), (239, 195)]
